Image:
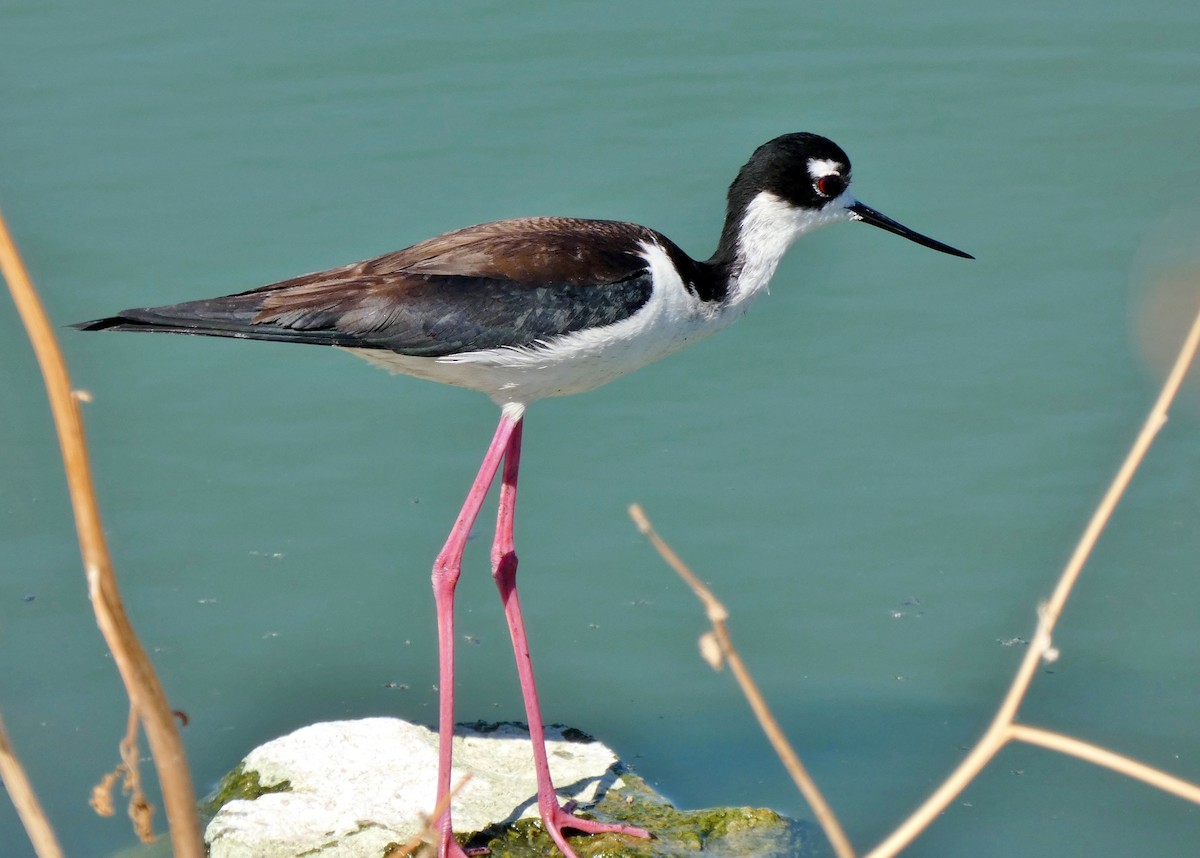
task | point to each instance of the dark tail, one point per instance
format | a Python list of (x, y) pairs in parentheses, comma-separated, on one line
[(232, 316)]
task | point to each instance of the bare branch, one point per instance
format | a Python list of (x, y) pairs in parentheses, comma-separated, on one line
[(428, 835), (1000, 730), (25, 800), (141, 682), (717, 615), (1103, 757)]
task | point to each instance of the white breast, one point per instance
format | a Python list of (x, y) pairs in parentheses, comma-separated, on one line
[(582, 360)]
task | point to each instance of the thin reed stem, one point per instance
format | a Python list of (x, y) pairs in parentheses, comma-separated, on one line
[(429, 835), (25, 800), (1003, 727), (1000, 731), (141, 682), (717, 615), (1108, 759)]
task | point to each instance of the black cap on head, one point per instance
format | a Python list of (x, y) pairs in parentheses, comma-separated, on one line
[(812, 174), (792, 166)]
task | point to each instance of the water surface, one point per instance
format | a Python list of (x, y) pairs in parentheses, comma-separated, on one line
[(880, 469)]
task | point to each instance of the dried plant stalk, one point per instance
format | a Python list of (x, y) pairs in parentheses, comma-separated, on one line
[(1103, 757), (1001, 729), (716, 647), (717, 615), (141, 683), (25, 800), (423, 841)]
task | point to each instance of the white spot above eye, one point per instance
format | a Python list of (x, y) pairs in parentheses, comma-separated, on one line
[(818, 167)]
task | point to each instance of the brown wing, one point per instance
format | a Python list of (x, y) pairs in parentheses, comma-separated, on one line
[(508, 283), (528, 250)]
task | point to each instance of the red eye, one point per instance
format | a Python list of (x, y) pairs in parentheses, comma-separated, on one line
[(830, 185)]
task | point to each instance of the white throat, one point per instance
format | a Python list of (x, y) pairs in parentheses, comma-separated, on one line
[(769, 226)]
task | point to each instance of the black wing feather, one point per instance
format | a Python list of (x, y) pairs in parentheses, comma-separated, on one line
[(521, 282)]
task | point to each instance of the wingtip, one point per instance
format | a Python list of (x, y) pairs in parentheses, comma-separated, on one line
[(98, 324)]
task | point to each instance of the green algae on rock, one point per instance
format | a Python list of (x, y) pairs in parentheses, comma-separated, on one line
[(240, 784), (722, 832)]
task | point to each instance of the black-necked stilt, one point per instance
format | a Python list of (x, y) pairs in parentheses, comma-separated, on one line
[(530, 308)]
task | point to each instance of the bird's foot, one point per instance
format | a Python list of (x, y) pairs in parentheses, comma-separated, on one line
[(560, 818), (450, 848)]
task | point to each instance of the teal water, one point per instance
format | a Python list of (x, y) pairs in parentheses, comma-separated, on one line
[(880, 470)]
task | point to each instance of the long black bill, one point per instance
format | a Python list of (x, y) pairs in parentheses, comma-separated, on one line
[(868, 215)]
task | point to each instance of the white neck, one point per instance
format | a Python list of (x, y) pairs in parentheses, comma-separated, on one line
[(769, 226)]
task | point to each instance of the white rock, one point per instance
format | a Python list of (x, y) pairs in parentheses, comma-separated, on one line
[(358, 785)]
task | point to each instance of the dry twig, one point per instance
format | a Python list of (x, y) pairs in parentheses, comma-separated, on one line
[(41, 834), (1103, 757), (716, 646), (1004, 727), (427, 836), (717, 615), (141, 682)]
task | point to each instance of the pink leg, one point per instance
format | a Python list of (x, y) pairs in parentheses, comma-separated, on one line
[(504, 570), (446, 569)]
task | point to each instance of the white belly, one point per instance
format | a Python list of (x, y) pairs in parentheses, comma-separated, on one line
[(579, 361)]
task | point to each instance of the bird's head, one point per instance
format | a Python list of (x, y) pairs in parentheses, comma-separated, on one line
[(798, 182)]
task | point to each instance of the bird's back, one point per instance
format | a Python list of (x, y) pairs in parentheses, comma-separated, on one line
[(508, 283)]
